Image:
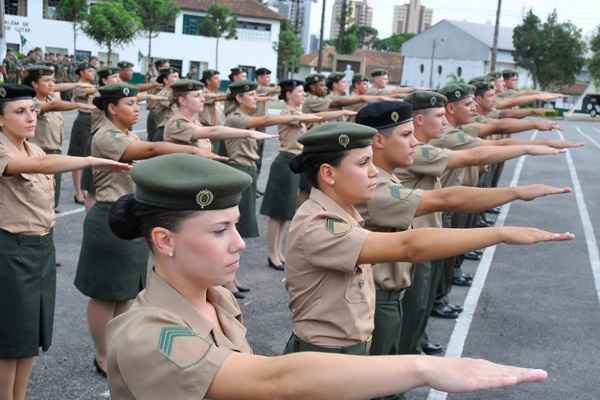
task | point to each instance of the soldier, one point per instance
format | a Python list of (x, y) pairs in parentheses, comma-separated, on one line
[(192, 73), (27, 252), (379, 83), (161, 109), (12, 67), (264, 91), (125, 71), (214, 110), (185, 328), (152, 77)]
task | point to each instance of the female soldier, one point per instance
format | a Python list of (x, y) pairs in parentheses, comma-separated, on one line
[(27, 255), (82, 127), (329, 277), (184, 336), (281, 194), (111, 271), (161, 109), (184, 128)]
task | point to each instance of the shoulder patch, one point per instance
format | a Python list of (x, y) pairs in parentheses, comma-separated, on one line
[(178, 124), (461, 136), (182, 346), (425, 152), (337, 227), (396, 191)]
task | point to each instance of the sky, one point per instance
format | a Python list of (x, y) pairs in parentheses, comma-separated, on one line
[(583, 13)]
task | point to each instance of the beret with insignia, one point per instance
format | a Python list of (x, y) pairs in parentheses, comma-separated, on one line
[(104, 73), (114, 92), (509, 73), (288, 85), (234, 72), (424, 99), (83, 66), (457, 91), (35, 72), (124, 64), (241, 87), (378, 72), (494, 75), (385, 114), (359, 78), (263, 71), (10, 92), (183, 86), (482, 86), (314, 78), (337, 136), (164, 73), (209, 73), (334, 77)]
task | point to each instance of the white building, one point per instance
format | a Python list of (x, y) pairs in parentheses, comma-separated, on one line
[(257, 31), (411, 17), (462, 49)]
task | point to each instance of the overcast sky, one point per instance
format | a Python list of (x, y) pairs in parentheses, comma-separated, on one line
[(583, 13)]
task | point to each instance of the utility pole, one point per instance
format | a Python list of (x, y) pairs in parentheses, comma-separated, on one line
[(343, 16), (431, 65), (321, 36), (297, 17), (2, 32), (496, 31)]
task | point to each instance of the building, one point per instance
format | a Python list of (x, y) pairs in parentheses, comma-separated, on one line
[(358, 12), (305, 17), (453, 49), (33, 23), (411, 18)]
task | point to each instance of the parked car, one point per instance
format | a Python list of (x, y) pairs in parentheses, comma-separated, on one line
[(591, 105)]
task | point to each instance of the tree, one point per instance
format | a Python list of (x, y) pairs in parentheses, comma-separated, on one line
[(289, 50), (218, 23), (155, 15), (111, 24), (552, 52), (393, 43), (594, 62), (74, 11), (366, 35)]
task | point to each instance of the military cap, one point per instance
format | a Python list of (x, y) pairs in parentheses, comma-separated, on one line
[(35, 72), (479, 79), (124, 64), (15, 92), (378, 72), (164, 72), (114, 92), (494, 75), (314, 78), (385, 114), (334, 77), (105, 72), (188, 182), (337, 136), (287, 86), (509, 73), (186, 85), (482, 86), (263, 71), (233, 72), (359, 78), (209, 73), (457, 91), (424, 99), (83, 66), (241, 87)]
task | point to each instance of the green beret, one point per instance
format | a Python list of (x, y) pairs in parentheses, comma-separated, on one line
[(337, 136), (15, 92), (334, 77), (359, 78), (494, 75), (186, 85), (104, 73), (83, 66), (124, 64), (482, 86), (385, 114), (188, 182), (424, 99), (509, 73), (479, 79), (35, 72), (457, 91), (117, 91), (263, 71), (378, 72), (314, 78), (165, 72), (241, 87), (209, 73), (288, 85)]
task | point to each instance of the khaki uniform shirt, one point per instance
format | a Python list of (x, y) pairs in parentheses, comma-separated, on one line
[(97, 119), (315, 104), (456, 139), (162, 109), (242, 151), (392, 209), (373, 91), (179, 129), (290, 133), (50, 128), (26, 200), (80, 96), (331, 297), (430, 164), (109, 142), (507, 94), (212, 114), (162, 348)]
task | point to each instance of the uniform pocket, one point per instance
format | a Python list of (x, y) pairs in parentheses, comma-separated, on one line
[(357, 287)]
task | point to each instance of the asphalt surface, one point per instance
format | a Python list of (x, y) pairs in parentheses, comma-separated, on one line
[(539, 306)]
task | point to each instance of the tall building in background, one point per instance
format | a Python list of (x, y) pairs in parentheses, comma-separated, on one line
[(304, 17), (359, 12), (412, 18)]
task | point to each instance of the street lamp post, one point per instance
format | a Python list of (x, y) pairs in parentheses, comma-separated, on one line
[(431, 65)]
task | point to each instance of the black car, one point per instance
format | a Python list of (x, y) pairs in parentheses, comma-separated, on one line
[(591, 105)]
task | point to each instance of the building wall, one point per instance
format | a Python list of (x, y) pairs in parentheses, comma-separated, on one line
[(253, 48), (359, 12), (416, 71), (411, 18)]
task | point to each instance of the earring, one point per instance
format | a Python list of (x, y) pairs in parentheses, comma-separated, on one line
[(171, 254)]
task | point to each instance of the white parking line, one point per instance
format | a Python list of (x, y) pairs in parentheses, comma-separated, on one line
[(588, 137), (70, 212), (463, 323), (588, 228)]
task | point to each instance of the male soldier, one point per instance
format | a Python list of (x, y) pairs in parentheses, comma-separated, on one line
[(510, 96), (192, 73), (125, 71), (213, 113), (394, 207), (264, 90), (152, 77), (11, 67), (379, 82)]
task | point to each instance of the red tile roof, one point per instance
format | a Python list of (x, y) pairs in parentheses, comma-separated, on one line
[(244, 8)]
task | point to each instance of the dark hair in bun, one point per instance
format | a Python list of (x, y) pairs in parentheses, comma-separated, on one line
[(309, 164), (129, 219)]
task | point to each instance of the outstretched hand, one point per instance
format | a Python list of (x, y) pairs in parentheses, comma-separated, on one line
[(527, 236), (262, 136), (104, 163), (563, 144), (209, 154), (460, 375), (531, 192)]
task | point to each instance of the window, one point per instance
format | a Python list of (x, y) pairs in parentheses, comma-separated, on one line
[(255, 26), (459, 72), (57, 50), (82, 55), (200, 67), (439, 69), (422, 68), (177, 64), (50, 9), (15, 47), (168, 27), (250, 72), (15, 7), (191, 24)]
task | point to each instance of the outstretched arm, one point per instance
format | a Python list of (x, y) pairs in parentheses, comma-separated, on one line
[(54, 163), (490, 154)]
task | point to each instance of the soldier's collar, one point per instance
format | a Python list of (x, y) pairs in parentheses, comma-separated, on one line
[(330, 205)]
